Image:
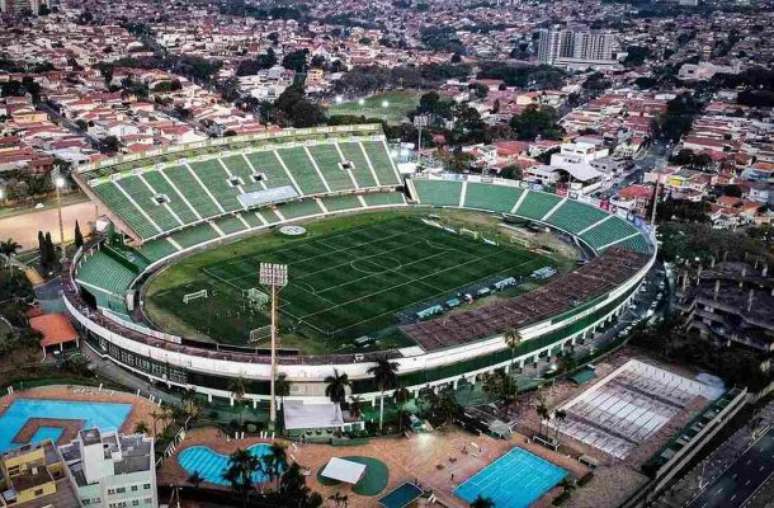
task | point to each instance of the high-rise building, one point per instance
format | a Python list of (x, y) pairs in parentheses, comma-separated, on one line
[(112, 470), (575, 47)]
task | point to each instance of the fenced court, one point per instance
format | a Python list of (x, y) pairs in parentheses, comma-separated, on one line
[(352, 282)]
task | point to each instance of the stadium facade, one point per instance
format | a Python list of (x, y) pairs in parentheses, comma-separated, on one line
[(178, 200)]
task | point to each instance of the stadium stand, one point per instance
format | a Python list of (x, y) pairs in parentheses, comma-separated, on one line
[(608, 231), (498, 198), (363, 174), (229, 224), (176, 203), (574, 217), (438, 192), (300, 165), (636, 244), (336, 203), (183, 178), (238, 167), (130, 213), (384, 199), (102, 271), (144, 197), (269, 215), (536, 205), (157, 249), (195, 235), (298, 209), (329, 162), (268, 164), (380, 160), (215, 179)]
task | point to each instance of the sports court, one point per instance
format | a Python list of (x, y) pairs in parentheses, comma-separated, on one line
[(629, 406), (354, 281)]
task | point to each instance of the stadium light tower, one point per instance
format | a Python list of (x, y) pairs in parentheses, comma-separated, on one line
[(274, 276), (59, 183), (419, 122)]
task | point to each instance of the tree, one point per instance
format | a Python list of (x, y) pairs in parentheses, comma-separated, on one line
[(336, 389), (275, 462), (296, 60), (542, 411), (239, 473), (78, 236), (559, 416), (282, 387), (141, 428), (401, 395), (385, 376), (9, 248), (339, 499), (195, 479), (513, 341), (536, 121), (238, 389), (482, 502)]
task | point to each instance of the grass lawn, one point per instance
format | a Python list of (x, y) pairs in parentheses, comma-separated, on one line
[(400, 103), (348, 277)]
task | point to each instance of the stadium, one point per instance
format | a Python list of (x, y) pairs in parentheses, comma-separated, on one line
[(416, 268)]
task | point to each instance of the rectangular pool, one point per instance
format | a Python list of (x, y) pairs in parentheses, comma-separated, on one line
[(515, 480), (103, 415)]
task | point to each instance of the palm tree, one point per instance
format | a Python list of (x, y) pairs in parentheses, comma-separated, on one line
[(195, 479), (513, 341), (385, 375), (238, 390), (275, 462), (559, 417), (156, 415), (141, 428), (191, 406), (336, 390), (482, 502), (401, 395), (239, 473), (339, 499), (282, 387), (9, 248), (355, 406), (542, 412)]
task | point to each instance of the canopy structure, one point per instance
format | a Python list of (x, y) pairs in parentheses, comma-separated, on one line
[(312, 416), (344, 470)]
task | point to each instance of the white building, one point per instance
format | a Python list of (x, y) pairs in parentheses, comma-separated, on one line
[(112, 470), (576, 48), (574, 164)]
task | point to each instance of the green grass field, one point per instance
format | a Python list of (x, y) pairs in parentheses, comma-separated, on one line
[(348, 278), (400, 103)]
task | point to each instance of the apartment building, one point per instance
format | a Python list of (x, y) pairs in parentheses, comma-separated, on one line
[(576, 47), (35, 476), (112, 470)]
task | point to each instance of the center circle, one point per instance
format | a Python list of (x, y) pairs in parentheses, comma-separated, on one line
[(376, 264)]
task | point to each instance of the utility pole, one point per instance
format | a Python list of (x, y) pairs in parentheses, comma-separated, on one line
[(419, 122)]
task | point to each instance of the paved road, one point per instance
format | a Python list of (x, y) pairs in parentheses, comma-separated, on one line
[(742, 479)]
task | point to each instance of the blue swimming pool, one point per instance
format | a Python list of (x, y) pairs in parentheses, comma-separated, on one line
[(103, 415), (43, 433), (515, 480), (211, 465)]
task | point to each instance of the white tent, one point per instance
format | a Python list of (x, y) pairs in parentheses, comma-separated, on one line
[(312, 416), (344, 470)]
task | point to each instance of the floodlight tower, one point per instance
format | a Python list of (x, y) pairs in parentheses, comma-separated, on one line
[(274, 276), (419, 122)]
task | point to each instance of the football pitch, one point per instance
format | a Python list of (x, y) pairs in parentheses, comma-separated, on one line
[(353, 281)]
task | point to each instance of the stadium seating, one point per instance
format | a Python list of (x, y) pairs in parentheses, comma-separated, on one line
[(607, 232), (239, 168), (268, 164), (101, 271), (636, 244), (215, 179), (498, 198), (195, 235), (298, 209), (130, 213), (300, 166), (574, 217), (336, 203), (380, 160), (536, 205), (269, 215), (157, 249), (384, 199), (176, 203), (251, 219), (353, 152), (183, 178), (328, 162), (144, 197), (229, 224), (438, 192)]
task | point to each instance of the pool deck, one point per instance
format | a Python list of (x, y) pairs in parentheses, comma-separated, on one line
[(415, 459), (140, 412)]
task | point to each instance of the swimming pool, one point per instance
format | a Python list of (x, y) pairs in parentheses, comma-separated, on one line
[(103, 415), (211, 465), (515, 480)]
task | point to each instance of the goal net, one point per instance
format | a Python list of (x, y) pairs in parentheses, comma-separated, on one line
[(202, 293), (255, 299), (259, 334)]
